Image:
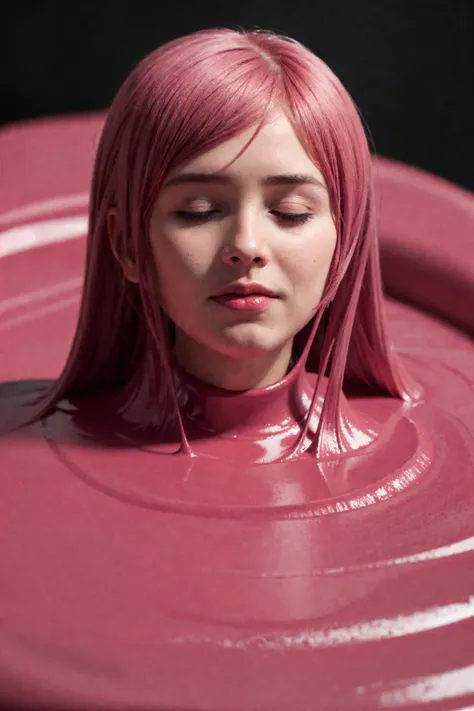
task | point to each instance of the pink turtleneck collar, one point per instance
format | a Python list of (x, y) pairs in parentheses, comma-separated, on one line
[(260, 411)]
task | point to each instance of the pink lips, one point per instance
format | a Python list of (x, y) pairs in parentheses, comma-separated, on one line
[(239, 302), (245, 296)]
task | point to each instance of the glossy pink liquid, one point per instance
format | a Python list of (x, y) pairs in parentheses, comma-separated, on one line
[(131, 578)]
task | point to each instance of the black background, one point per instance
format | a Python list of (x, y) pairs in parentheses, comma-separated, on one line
[(409, 64)]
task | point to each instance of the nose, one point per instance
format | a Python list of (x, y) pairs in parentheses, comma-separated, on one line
[(243, 248)]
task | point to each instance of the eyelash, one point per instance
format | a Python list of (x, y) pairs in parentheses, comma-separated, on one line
[(293, 218)]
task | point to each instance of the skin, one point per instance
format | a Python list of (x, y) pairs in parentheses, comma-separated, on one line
[(244, 237)]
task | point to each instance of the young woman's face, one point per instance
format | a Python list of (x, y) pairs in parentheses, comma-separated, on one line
[(264, 223)]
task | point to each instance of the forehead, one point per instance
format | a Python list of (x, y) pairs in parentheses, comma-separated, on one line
[(275, 149)]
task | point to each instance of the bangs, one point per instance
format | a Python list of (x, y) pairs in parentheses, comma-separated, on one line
[(185, 114)]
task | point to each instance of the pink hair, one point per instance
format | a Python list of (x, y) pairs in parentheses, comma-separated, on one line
[(182, 100)]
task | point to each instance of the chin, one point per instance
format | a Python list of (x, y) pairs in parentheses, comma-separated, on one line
[(248, 347)]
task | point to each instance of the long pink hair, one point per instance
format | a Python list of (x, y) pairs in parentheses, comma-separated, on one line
[(182, 100)]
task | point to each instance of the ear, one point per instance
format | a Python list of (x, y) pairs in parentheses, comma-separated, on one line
[(129, 267)]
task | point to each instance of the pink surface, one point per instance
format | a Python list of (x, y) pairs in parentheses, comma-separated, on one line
[(137, 580)]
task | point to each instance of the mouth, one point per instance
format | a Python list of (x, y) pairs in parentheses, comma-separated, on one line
[(252, 301), (245, 289)]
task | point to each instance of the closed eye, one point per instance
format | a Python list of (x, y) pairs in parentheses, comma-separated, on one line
[(294, 218), (198, 216)]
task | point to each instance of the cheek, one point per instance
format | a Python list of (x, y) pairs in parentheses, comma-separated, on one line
[(182, 267), (310, 261), (181, 263)]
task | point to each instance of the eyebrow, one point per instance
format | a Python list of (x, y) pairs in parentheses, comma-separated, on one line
[(282, 179)]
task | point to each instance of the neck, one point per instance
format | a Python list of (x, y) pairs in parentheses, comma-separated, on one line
[(229, 373), (269, 409)]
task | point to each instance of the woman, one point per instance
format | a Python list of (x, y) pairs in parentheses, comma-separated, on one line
[(232, 291), (233, 242)]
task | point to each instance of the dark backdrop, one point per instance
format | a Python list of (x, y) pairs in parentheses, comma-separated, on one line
[(409, 64)]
